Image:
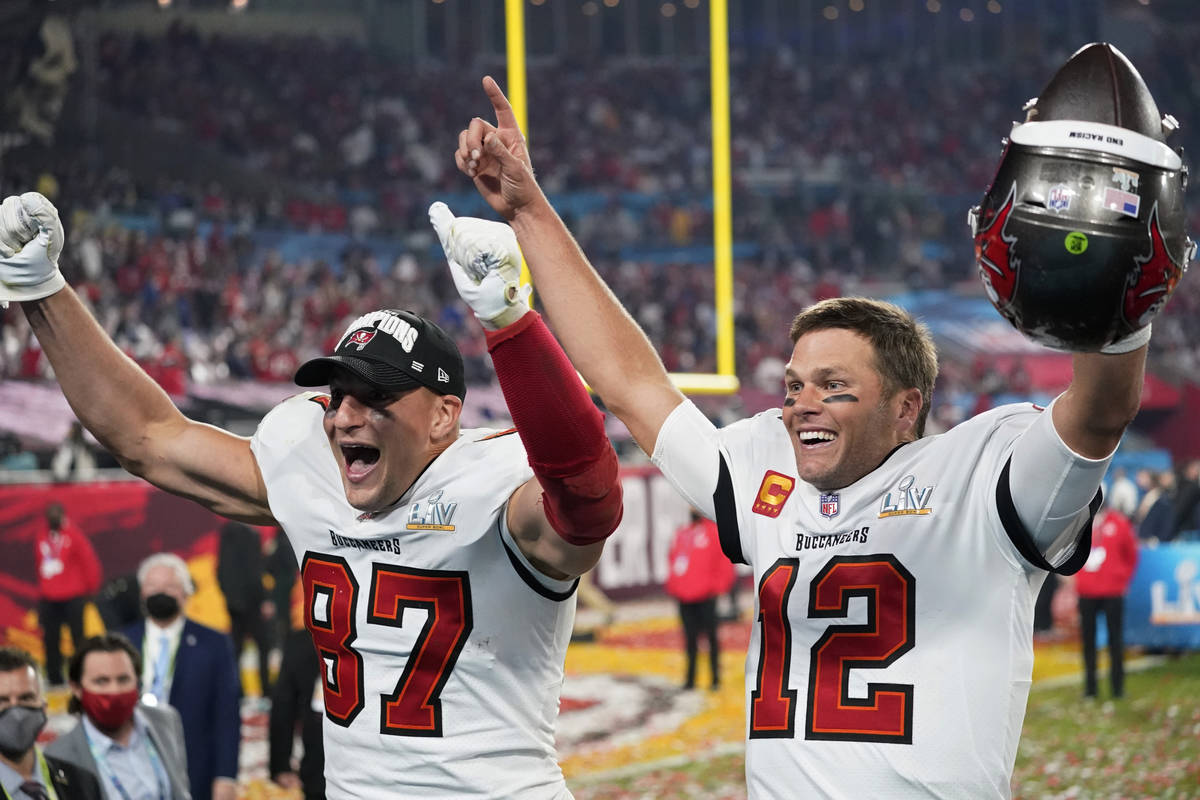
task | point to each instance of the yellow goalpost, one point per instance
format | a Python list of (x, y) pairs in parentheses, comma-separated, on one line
[(724, 380)]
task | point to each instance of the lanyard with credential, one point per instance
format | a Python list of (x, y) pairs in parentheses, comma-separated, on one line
[(160, 772), (47, 783)]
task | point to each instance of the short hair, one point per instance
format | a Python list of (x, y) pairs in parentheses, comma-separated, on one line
[(14, 658), (905, 355), (167, 560), (111, 642)]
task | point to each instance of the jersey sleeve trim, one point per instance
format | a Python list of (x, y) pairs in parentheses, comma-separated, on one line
[(1019, 535), (725, 504), (544, 585)]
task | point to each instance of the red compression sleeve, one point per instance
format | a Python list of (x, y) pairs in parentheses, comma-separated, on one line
[(562, 430)]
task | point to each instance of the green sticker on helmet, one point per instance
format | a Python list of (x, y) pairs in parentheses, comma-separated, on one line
[(1076, 243)]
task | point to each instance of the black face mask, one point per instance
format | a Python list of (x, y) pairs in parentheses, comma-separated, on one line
[(19, 729), (162, 606)]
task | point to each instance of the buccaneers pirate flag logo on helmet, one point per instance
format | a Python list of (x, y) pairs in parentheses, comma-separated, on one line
[(1080, 238)]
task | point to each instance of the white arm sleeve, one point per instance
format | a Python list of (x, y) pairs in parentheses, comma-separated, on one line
[(688, 451), (1052, 487)]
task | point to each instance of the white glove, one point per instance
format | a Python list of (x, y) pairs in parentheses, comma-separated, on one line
[(31, 239), (485, 263)]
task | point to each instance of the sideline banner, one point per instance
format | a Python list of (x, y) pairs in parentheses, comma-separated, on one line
[(1162, 608), (125, 520)]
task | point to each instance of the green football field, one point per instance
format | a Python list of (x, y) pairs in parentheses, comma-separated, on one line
[(1144, 746)]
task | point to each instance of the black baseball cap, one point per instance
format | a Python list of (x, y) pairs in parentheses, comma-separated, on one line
[(393, 350)]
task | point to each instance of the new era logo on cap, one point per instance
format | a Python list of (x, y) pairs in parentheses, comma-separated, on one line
[(393, 350)]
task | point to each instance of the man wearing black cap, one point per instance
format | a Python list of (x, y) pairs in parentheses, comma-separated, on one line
[(439, 565)]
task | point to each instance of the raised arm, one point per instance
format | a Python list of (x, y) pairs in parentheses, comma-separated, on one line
[(600, 337), (1103, 398), (1058, 463), (561, 517), (128, 412)]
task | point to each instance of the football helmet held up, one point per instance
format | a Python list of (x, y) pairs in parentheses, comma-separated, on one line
[(1080, 238)]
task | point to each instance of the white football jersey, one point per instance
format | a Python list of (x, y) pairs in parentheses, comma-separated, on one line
[(441, 647), (892, 651)]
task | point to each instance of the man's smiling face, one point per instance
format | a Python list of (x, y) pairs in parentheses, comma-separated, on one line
[(840, 420)]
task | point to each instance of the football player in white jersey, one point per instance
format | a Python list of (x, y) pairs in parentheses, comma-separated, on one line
[(439, 564), (892, 654)]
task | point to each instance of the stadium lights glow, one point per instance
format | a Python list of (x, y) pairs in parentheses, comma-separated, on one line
[(934, 6), (611, 3), (966, 14), (238, 5), (830, 13), (590, 9), (668, 9), (692, 3), (856, 5), (164, 3), (994, 7)]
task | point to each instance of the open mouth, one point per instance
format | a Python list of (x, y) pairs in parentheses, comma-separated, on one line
[(360, 460), (816, 438)]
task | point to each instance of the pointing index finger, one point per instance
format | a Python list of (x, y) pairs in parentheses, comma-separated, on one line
[(505, 118)]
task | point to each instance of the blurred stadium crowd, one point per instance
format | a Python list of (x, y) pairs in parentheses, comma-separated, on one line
[(299, 170)]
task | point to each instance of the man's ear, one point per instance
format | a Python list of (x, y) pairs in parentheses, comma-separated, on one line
[(446, 416), (908, 411)]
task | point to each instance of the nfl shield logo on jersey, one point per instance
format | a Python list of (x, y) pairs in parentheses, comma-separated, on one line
[(830, 505)]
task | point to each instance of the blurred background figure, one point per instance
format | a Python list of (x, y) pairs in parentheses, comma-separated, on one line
[(700, 573), (1187, 502), (297, 701), (119, 603), (1156, 512), (281, 578), (240, 576), (135, 751), (191, 667), (1123, 493), (73, 460), (1101, 586), (68, 575), (13, 456)]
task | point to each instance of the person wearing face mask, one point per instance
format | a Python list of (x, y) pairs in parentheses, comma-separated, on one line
[(135, 751), (192, 668), (26, 773)]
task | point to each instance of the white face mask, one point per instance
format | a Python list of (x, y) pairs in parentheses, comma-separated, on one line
[(19, 729)]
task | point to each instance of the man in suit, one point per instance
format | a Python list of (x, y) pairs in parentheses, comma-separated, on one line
[(26, 773), (135, 751), (191, 667)]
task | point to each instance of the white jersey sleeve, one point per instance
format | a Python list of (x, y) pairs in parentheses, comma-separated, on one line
[(1054, 490)]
